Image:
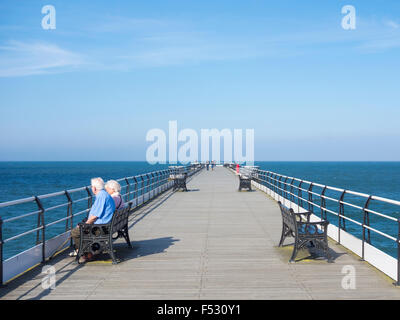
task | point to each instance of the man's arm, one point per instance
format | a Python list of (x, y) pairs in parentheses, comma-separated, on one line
[(91, 220)]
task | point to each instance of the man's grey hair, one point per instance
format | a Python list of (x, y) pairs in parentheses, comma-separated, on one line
[(98, 183), (114, 185)]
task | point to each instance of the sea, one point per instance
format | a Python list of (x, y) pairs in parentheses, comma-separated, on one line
[(25, 179)]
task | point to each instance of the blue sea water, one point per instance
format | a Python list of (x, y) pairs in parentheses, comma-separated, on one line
[(25, 179)]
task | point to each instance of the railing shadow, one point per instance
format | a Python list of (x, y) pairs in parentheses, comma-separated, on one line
[(154, 203), (35, 273), (148, 208), (65, 266), (70, 266), (139, 249)]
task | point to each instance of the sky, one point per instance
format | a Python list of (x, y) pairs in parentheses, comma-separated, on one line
[(110, 71)]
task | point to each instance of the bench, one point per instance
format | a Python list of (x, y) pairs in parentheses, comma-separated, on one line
[(99, 237), (303, 231), (180, 181), (244, 182)]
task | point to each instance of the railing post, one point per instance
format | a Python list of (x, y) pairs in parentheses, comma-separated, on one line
[(157, 181), (43, 228), (397, 283), (128, 190), (341, 212), (310, 198), (90, 199), (169, 172), (135, 192), (273, 180), (271, 183), (152, 184), (291, 192), (341, 209), (285, 188), (160, 175), (280, 186), (365, 222), (143, 187), (300, 197), (1, 253), (148, 185), (164, 180), (323, 204), (69, 214)]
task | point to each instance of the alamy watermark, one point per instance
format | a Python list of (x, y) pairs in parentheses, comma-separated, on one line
[(49, 280), (49, 20), (191, 146), (349, 280), (349, 20)]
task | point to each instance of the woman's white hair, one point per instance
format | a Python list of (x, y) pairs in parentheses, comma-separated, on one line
[(98, 183), (114, 185)]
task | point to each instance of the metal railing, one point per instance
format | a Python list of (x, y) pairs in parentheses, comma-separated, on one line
[(330, 203), (136, 190)]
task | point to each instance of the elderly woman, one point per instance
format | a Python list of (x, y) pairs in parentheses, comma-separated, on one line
[(114, 188)]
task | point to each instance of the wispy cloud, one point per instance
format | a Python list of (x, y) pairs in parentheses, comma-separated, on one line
[(118, 24), (125, 44), (180, 48), (392, 24), (165, 46), (32, 58)]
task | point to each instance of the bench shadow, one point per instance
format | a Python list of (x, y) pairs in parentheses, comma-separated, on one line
[(308, 253), (147, 208), (143, 248)]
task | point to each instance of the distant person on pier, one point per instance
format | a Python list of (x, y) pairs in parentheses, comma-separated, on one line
[(101, 212), (208, 165), (114, 190), (212, 165)]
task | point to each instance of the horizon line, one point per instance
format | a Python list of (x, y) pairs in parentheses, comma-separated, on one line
[(3, 161)]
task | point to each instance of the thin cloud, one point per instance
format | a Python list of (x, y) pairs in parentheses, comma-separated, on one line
[(24, 59), (157, 43), (115, 24), (392, 24)]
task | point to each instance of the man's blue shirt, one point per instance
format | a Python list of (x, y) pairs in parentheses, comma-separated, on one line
[(103, 207)]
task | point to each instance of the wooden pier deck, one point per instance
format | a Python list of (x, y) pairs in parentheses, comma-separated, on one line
[(212, 242)]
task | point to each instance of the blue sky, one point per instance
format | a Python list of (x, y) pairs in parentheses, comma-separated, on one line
[(111, 71)]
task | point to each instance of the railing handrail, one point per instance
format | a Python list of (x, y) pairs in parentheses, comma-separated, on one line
[(143, 184), (279, 185), (71, 191), (387, 200)]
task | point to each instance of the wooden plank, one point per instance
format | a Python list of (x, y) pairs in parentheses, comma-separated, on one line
[(212, 242)]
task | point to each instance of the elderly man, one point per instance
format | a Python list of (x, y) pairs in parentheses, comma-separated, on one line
[(100, 213)]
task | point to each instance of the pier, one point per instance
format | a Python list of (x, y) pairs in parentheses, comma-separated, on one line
[(211, 242)]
